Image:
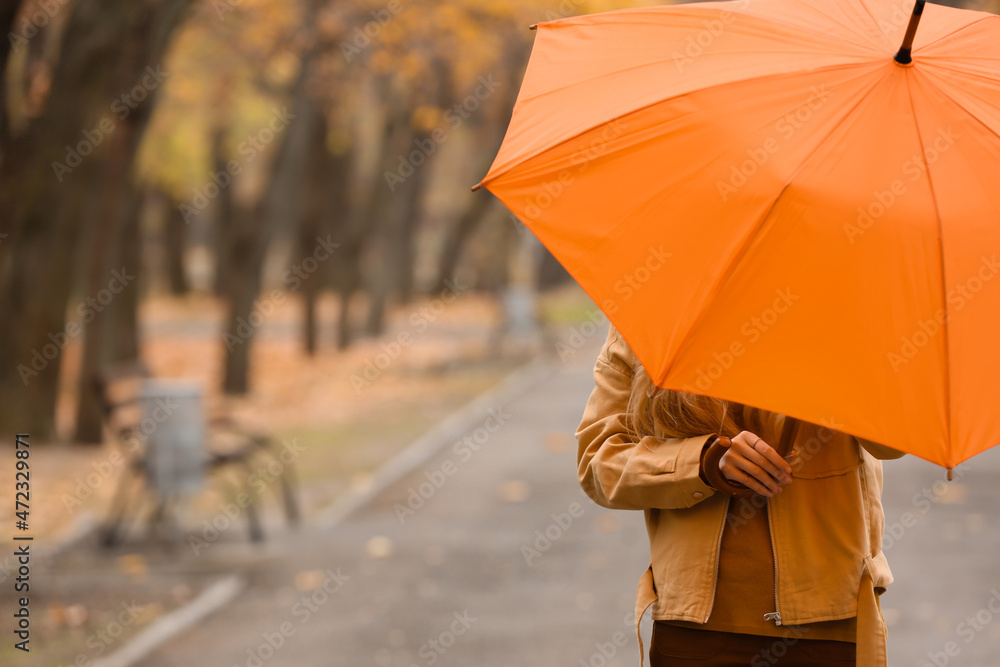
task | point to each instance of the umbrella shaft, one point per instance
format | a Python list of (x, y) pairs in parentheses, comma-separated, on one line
[(789, 430), (903, 56)]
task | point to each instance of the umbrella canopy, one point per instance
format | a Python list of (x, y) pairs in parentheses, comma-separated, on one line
[(775, 210)]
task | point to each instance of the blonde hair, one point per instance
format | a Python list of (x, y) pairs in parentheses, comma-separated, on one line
[(665, 413)]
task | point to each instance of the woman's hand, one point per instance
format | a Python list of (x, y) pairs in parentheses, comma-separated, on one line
[(755, 464)]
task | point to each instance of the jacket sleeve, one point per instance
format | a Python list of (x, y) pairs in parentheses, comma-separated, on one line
[(616, 470), (880, 451)]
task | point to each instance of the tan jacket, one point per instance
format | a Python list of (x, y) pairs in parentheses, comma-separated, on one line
[(826, 527)]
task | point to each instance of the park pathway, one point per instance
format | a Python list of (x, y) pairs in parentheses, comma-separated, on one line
[(488, 555)]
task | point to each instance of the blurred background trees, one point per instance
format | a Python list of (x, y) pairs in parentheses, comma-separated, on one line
[(178, 146)]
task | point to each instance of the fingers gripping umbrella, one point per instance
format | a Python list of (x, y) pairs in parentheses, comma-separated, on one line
[(778, 204)]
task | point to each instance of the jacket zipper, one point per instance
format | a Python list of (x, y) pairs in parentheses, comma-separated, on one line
[(718, 556), (775, 615)]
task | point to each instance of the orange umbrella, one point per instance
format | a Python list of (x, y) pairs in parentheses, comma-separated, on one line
[(776, 205)]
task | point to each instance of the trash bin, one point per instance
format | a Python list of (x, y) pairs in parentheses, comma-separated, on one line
[(173, 423)]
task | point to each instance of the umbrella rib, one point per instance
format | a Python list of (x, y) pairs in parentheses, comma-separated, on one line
[(848, 28), (948, 66), (972, 115), (766, 19), (885, 37), (944, 283), (737, 259), (653, 63), (958, 30), (830, 68), (964, 108)]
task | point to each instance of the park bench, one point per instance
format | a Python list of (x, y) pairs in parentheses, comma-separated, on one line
[(171, 447)]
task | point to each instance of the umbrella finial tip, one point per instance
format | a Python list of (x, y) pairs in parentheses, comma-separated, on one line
[(950, 474)]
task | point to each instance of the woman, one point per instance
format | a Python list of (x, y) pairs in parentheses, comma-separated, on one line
[(788, 576)]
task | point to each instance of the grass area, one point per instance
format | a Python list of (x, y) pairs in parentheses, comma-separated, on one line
[(565, 306)]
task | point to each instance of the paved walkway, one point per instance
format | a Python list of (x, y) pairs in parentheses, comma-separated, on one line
[(499, 561)]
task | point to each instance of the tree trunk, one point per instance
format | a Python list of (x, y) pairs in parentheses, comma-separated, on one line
[(174, 246), (44, 192), (251, 231), (480, 204), (112, 272), (550, 272), (328, 214), (311, 225), (122, 339), (101, 286), (8, 12), (394, 210), (222, 218), (247, 242), (350, 232)]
